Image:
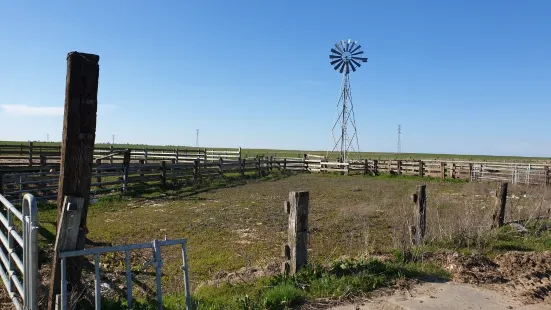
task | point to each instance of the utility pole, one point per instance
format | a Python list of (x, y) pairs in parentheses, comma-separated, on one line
[(197, 139), (399, 139)]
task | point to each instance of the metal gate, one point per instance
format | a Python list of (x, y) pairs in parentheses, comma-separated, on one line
[(157, 262), (19, 256)]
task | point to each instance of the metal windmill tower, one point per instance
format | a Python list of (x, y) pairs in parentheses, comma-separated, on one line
[(345, 56)]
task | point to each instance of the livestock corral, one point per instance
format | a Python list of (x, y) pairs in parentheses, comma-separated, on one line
[(359, 233)]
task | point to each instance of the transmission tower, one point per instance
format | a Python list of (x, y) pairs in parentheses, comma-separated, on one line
[(399, 140), (346, 56), (197, 138)]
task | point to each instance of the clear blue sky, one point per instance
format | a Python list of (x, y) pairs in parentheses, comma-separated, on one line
[(459, 76)]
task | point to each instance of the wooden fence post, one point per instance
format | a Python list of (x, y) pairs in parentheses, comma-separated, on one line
[(366, 167), (257, 164), (242, 167), (141, 169), (500, 202), (399, 167), (196, 169), (42, 164), (420, 198), (421, 172), (30, 154), (375, 167), (442, 170), (163, 174), (126, 170), (284, 164), (145, 155), (177, 155), (221, 167), (111, 150), (77, 155), (295, 251), (470, 171), (98, 171), (453, 171)]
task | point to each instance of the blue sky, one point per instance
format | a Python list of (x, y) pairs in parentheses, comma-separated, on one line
[(468, 77)]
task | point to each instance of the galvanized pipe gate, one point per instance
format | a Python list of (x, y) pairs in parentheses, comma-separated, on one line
[(157, 262), (19, 256)]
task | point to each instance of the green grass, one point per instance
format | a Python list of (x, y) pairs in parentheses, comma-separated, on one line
[(342, 279)]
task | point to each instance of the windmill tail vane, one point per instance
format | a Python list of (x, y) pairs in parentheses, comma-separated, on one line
[(346, 56)]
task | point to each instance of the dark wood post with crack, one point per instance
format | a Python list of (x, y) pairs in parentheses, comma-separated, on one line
[(295, 251), (79, 130)]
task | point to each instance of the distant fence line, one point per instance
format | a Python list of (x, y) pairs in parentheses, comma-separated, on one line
[(152, 169)]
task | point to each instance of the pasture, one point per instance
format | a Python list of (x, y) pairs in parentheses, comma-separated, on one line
[(236, 229)]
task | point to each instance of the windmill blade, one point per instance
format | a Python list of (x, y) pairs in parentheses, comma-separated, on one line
[(338, 65), (347, 67), (335, 56), (342, 68), (347, 45), (352, 66), (338, 48), (335, 51), (358, 53), (351, 46), (356, 63), (357, 48), (343, 45), (335, 61), (360, 59)]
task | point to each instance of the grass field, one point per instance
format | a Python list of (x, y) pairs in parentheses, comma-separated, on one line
[(238, 228), (299, 153)]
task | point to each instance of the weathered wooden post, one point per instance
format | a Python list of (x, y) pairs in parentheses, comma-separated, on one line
[(500, 202), (111, 150), (141, 169), (420, 199), (98, 171), (375, 167), (196, 169), (163, 174), (453, 171), (399, 167), (177, 156), (42, 165), (221, 167), (295, 251), (125, 171), (366, 167), (442, 170), (284, 164), (79, 131), (30, 154), (242, 167), (421, 168)]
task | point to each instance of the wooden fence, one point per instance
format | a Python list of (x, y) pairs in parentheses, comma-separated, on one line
[(109, 177), (32, 155)]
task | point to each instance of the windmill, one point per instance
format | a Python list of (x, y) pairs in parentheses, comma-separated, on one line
[(346, 56)]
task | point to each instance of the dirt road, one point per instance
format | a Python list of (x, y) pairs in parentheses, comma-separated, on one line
[(446, 295)]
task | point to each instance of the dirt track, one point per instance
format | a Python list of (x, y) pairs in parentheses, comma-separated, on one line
[(449, 295)]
